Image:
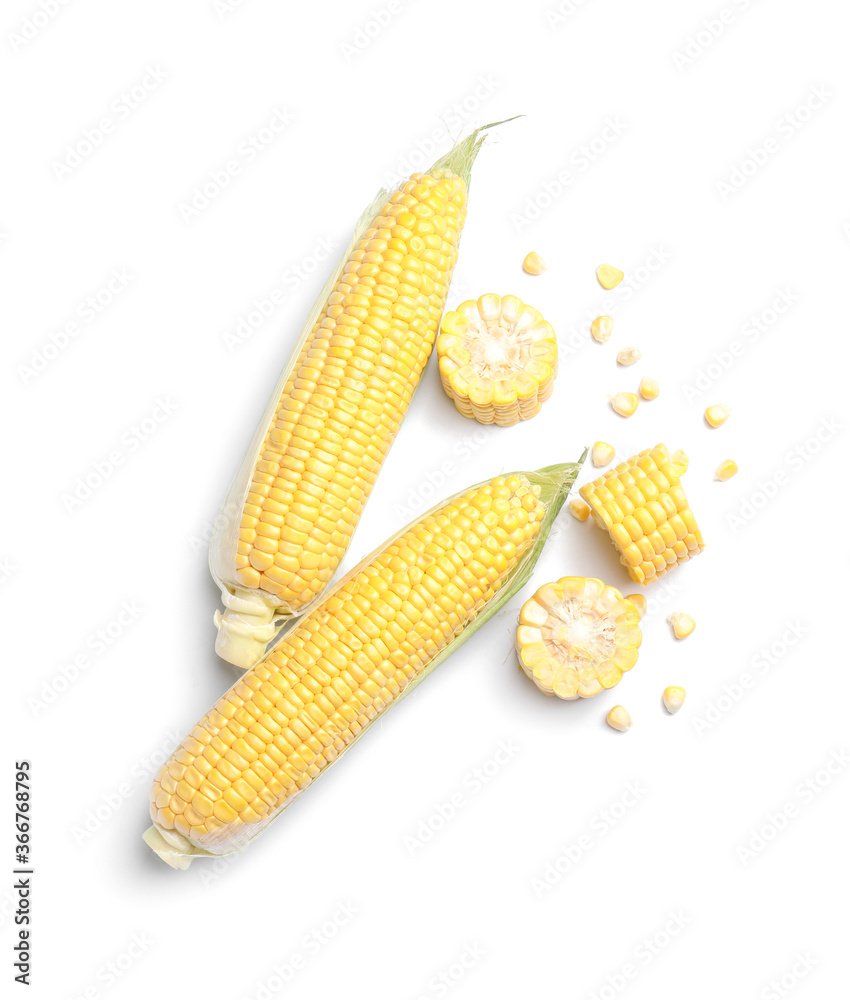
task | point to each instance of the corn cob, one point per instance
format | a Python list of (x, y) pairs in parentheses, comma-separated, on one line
[(376, 635), (498, 359), (643, 507), (290, 512)]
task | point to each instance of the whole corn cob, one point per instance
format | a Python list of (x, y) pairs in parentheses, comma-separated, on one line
[(376, 635), (290, 512)]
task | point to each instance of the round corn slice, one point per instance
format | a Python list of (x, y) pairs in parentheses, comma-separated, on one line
[(498, 359), (577, 637)]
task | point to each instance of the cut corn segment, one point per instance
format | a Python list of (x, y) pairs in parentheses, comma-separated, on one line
[(639, 602), (717, 415), (674, 698), (682, 624), (576, 637), (534, 264), (608, 276), (601, 329), (498, 359), (642, 506), (624, 403), (725, 470), (376, 635), (579, 510), (618, 718), (602, 454), (649, 388), (296, 500), (628, 356)]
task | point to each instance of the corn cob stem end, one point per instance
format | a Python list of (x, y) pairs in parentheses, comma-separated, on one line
[(176, 856), (246, 626)]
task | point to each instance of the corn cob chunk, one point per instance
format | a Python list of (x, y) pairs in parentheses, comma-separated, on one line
[(380, 630), (296, 501), (576, 637), (498, 359), (642, 505)]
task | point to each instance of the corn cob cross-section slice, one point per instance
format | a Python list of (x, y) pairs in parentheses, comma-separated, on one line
[(643, 507), (379, 632), (294, 505), (498, 359)]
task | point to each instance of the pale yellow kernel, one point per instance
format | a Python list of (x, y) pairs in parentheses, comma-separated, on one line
[(608, 276), (628, 356), (674, 698), (534, 264), (682, 624), (649, 388), (602, 454), (579, 509), (601, 329), (679, 460), (624, 403), (725, 470), (619, 719), (717, 414), (639, 602)]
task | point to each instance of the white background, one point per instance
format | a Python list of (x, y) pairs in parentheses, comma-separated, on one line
[(706, 788)]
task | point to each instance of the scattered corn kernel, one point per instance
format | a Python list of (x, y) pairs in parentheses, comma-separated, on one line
[(680, 462), (601, 329), (577, 637), (628, 356), (608, 276), (534, 264), (639, 602), (624, 403), (602, 453), (579, 509), (649, 388), (619, 719), (682, 624), (717, 414), (725, 470), (674, 698)]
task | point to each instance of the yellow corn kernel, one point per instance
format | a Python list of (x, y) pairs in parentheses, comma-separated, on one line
[(577, 637), (680, 462), (717, 414), (674, 698), (628, 356), (534, 264), (608, 276), (602, 454), (618, 718), (642, 506), (639, 602), (725, 470), (682, 624), (601, 329), (649, 388), (498, 359), (579, 509), (624, 403)]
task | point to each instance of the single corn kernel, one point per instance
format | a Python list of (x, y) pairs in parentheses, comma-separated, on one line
[(608, 276), (579, 509), (628, 356), (725, 470), (602, 453), (534, 264), (717, 415), (619, 719), (639, 602), (601, 329), (679, 460), (674, 698), (624, 403), (682, 624), (649, 388)]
